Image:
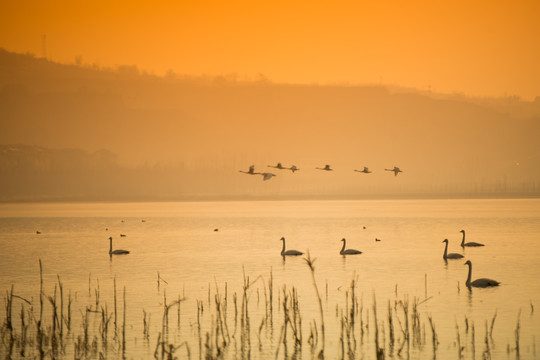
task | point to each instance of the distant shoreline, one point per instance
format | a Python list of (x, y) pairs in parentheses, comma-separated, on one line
[(202, 198)]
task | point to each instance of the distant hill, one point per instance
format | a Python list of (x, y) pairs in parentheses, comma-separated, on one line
[(196, 133)]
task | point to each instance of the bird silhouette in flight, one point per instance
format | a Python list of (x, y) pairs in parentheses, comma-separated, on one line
[(267, 175), (293, 168), (251, 171), (396, 170), (325, 168), (278, 166), (365, 170)]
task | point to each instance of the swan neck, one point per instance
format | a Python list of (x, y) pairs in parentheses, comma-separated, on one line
[(445, 249), (463, 239), (283, 249), (468, 282), (110, 245), (342, 248)]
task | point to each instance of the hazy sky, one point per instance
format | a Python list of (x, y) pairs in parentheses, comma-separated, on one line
[(474, 47)]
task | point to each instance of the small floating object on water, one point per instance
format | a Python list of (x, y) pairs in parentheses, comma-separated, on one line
[(106, 229), (38, 232), (216, 229), (123, 235), (143, 220), (376, 239)]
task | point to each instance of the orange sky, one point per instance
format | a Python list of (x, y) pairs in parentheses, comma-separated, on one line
[(473, 47)]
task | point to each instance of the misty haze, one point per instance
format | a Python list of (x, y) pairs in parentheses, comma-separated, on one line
[(71, 132)]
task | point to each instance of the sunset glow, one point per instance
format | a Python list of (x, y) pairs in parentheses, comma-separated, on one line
[(480, 48)]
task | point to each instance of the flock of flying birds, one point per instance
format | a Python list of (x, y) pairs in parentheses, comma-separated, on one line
[(293, 168)]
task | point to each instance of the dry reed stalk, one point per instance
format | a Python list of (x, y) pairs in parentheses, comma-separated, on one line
[(487, 352), (146, 326), (492, 324), (342, 333), (124, 326), (473, 340), (115, 311), (390, 330), (310, 263), (199, 312), (68, 321), (39, 329), (271, 294), (434, 340), (458, 342), (376, 327), (517, 332), (61, 287)]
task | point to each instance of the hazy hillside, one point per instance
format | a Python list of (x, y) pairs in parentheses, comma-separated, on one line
[(177, 136)]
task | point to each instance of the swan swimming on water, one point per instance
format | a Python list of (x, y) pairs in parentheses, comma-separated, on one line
[(471, 244), (451, 255), (289, 252), (118, 251), (348, 251), (482, 283)]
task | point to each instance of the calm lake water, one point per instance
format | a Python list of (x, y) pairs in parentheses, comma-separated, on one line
[(178, 241)]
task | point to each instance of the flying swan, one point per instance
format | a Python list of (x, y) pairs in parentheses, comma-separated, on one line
[(396, 170), (365, 170), (325, 168)]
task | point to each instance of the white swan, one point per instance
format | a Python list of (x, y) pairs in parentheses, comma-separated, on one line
[(325, 168), (396, 170), (116, 252), (348, 251), (451, 255), (365, 170), (482, 283), (471, 244), (289, 252)]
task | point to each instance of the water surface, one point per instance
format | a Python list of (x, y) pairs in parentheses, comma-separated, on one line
[(179, 241)]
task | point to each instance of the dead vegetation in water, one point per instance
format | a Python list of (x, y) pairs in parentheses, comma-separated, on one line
[(261, 320)]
